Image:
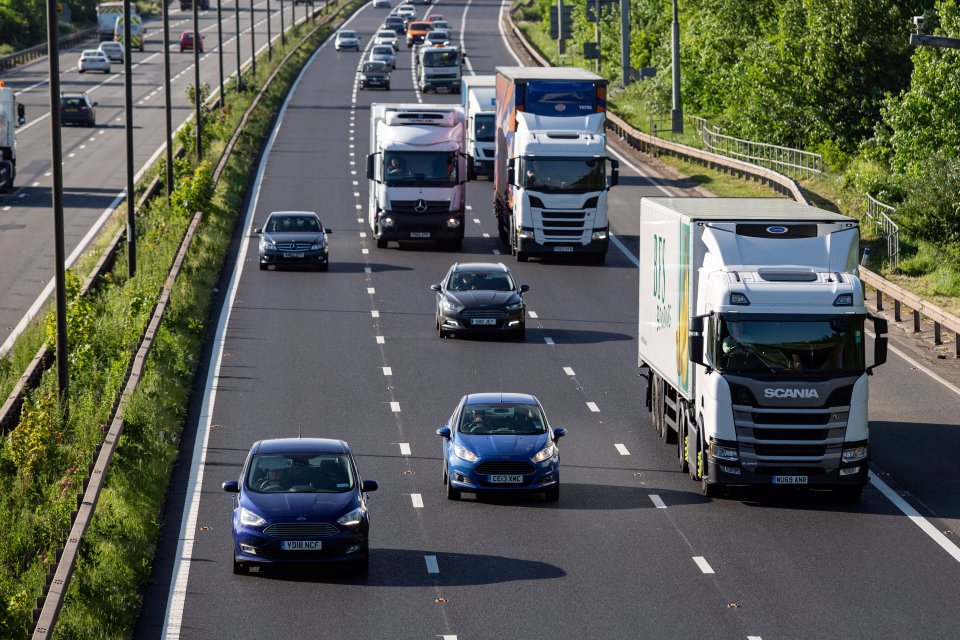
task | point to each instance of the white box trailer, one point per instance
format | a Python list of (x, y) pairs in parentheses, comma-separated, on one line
[(479, 100), (751, 328)]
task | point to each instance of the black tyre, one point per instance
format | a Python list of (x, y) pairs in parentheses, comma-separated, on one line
[(239, 568), (324, 267), (263, 267), (553, 493), (454, 245), (502, 232), (388, 87), (520, 334), (452, 494)]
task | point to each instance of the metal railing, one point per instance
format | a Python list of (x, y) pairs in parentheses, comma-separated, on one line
[(880, 218), (793, 162), (18, 58)]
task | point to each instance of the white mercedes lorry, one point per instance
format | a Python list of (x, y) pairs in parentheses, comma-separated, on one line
[(417, 172), (479, 100), (438, 68), (550, 172), (12, 115), (753, 341)]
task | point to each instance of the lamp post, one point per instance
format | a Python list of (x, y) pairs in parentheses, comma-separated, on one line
[(283, 28), (676, 114), (220, 46), (269, 33), (253, 41), (196, 77), (166, 98), (128, 127), (236, 14)]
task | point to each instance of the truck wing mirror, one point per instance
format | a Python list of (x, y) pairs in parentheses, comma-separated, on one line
[(21, 113), (696, 341), (371, 173), (511, 175), (879, 343), (614, 172)]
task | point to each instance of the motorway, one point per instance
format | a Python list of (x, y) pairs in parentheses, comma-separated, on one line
[(630, 550), (94, 159)]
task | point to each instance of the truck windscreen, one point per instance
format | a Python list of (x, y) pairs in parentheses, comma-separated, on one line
[(563, 175), (560, 98), (484, 128), (433, 168), (834, 346), (441, 59)]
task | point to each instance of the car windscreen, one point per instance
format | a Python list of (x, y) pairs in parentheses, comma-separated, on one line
[(374, 67), (502, 419), (481, 281), (73, 102), (300, 473), (293, 224), (383, 50), (348, 34), (387, 34)]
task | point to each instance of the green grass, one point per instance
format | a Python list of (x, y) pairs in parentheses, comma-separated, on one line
[(43, 463)]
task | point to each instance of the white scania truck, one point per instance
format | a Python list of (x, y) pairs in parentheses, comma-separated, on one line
[(479, 95), (12, 115), (550, 179), (417, 172), (753, 341)]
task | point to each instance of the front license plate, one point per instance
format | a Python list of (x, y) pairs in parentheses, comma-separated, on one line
[(789, 479), (301, 545), (293, 254), (419, 234), (505, 479), (485, 321), (563, 249)]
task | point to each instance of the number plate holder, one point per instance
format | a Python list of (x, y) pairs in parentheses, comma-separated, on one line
[(301, 545), (790, 480)]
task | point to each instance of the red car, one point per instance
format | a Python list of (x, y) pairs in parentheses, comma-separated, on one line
[(186, 42)]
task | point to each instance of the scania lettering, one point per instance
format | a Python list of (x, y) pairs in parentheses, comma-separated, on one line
[(550, 172), (479, 103), (417, 172), (752, 338)]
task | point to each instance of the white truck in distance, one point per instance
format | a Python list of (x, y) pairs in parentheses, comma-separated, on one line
[(752, 333), (12, 115), (417, 170), (478, 97), (439, 68)]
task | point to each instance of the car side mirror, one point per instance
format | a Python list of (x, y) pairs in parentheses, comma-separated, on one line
[(444, 432), (21, 114), (258, 231), (369, 486), (231, 486), (328, 231), (94, 103), (435, 287), (524, 288), (559, 432)]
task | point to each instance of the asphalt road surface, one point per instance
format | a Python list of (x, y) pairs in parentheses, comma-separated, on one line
[(631, 549), (94, 159)]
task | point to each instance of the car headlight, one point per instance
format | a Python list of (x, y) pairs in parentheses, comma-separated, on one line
[(250, 519), (267, 243), (854, 454), (316, 246), (515, 305), (546, 453), (353, 518), (450, 305), (464, 454)]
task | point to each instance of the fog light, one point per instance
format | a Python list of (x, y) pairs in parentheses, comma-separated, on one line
[(453, 223), (387, 222), (513, 323), (525, 233), (600, 234), (734, 470), (849, 472), (547, 479), (246, 548), (353, 548)]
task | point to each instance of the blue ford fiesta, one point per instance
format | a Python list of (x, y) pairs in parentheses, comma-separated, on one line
[(500, 442), (300, 500)]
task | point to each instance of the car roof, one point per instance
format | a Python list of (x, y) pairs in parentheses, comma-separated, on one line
[(348, 32), (294, 213), (481, 266), (300, 445), (92, 52), (73, 95), (500, 398)]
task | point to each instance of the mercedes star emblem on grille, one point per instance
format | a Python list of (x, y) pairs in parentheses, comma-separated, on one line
[(420, 206)]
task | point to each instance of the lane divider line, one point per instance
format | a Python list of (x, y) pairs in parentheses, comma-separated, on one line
[(432, 566), (405, 448), (703, 564), (657, 501), (622, 449), (593, 407), (417, 500)]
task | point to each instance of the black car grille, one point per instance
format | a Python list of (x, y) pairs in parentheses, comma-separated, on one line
[(470, 314), (408, 206), (293, 246), (306, 529), (504, 467)]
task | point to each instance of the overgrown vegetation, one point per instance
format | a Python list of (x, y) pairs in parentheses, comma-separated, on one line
[(833, 76), (43, 462)]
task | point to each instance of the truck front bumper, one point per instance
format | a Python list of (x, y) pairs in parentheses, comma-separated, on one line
[(732, 473), (433, 84), (531, 247), (419, 227)]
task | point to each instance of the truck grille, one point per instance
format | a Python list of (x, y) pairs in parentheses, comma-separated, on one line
[(409, 206), (302, 529), (504, 467)]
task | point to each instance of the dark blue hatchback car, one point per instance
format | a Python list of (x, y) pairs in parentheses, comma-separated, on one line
[(500, 442), (300, 500)]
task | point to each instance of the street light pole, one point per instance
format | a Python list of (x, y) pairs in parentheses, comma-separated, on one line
[(197, 43), (624, 42), (166, 97), (128, 116), (283, 28), (236, 14), (676, 114), (220, 47), (269, 33), (56, 169), (253, 42)]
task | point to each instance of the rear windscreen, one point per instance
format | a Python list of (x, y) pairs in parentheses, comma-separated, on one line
[(551, 98)]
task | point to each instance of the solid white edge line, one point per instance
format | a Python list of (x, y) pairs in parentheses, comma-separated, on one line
[(917, 519), (506, 43), (181, 569), (657, 501), (432, 566), (703, 564)]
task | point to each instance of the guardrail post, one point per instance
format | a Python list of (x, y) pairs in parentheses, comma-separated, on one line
[(936, 334), (916, 321), (896, 310), (880, 300), (956, 344)]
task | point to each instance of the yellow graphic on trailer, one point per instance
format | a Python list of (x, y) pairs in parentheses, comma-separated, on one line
[(683, 331)]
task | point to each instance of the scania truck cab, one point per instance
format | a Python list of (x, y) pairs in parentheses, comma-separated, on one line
[(417, 171), (753, 340)]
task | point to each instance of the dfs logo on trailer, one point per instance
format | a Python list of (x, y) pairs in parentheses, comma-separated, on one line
[(660, 282)]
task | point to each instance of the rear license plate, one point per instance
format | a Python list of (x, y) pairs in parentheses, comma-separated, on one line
[(419, 234), (563, 249), (789, 479), (301, 545), (293, 254), (518, 479), (484, 321)]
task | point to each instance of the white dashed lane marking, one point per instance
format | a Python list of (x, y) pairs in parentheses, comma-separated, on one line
[(622, 449), (387, 371), (657, 502), (417, 500), (380, 339), (375, 314), (371, 290), (593, 407), (548, 340), (568, 370), (404, 448), (432, 566), (703, 564), (395, 407)]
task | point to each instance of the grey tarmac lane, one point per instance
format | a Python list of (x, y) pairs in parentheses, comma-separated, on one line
[(301, 354), (94, 158)]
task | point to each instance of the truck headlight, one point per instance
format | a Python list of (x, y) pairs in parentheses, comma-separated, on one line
[(720, 452), (386, 222), (854, 454), (546, 453), (250, 519), (600, 234), (464, 454), (453, 223), (525, 233)]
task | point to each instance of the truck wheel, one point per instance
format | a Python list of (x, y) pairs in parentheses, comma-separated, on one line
[(682, 430), (502, 231)]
